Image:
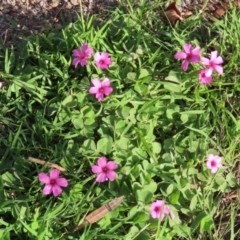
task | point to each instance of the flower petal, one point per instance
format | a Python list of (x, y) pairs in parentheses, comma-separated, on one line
[(214, 170), (62, 182), (209, 72), (99, 96), (214, 55), (96, 82), (160, 203), (83, 62), (101, 177), (93, 90), (97, 56), (203, 78), (153, 205), (111, 175), (210, 157), (108, 61), (102, 65), (111, 165), (218, 69), (185, 65), (107, 91), (196, 51), (84, 47), (76, 53), (105, 55), (44, 178), (218, 60), (166, 210), (180, 55), (213, 163), (75, 62), (218, 161), (195, 59), (102, 162), (187, 47), (89, 51), (54, 173), (106, 82), (209, 164), (98, 64), (56, 190), (47, 190), (205, 61), (154, 214), (96, 169)]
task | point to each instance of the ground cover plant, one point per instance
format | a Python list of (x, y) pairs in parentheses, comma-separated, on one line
[(128, 107)]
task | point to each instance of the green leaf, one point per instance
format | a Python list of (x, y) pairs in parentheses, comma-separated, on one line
[(172, 79), (69, 102), (144, 196), (156, 147), (172, 87), (104, 145), (5, 234), (198, 219), (174, 196), (122, 144), (120, 124), (29, 229), (193, 202), (131, 76), (206, 223), (152, 187), (78, 123), (231, 179), (140, 217), (144, 73)]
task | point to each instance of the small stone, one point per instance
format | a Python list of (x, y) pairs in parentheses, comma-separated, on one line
[(55, 3), (74, 2)]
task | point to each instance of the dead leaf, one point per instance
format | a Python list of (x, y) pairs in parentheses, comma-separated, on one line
[(100, 213), (172, 13), (42, 162), (219, 12), (224, 7)]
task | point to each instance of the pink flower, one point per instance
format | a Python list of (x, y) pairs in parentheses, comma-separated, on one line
[(213, 63), (159, 210), (214, 162), (189, 55), (1, 84), (203, 78), (53, 183), (105, 170), (101, 88), (81, 55), (102, 60)]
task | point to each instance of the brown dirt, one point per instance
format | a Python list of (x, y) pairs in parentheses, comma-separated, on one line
[(32, 17)]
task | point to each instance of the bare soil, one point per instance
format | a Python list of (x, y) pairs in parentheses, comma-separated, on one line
[(32, 17)]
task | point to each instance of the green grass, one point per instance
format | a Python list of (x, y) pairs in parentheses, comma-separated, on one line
[(158, 125)]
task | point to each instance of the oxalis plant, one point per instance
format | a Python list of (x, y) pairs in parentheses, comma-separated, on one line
[(119, 111)]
